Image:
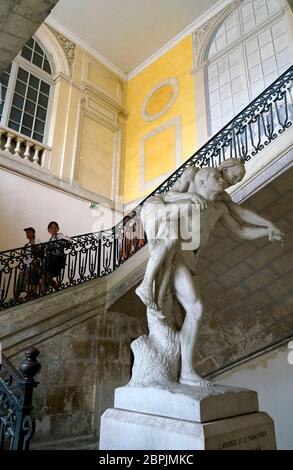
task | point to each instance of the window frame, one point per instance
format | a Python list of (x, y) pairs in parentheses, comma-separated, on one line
[(21, 62), (239, 43)]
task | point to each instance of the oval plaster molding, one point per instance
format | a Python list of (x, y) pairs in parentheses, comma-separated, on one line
[(173, 82)]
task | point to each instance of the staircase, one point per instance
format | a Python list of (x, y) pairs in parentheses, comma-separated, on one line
[(94, 255), (84, 330), (17, 426)]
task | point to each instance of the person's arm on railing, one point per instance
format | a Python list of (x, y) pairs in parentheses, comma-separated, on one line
[(67, 241), (61, 236)]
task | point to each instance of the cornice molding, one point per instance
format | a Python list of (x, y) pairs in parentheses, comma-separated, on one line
[(199, 28), (63, 31), (103, 98), (187, 31)]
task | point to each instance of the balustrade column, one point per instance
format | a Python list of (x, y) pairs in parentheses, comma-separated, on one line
[(7, 146), (27, 151), (1, 133), (36, 157), (19, 141)]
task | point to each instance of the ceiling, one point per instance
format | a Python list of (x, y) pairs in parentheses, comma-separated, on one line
[(128, 32)]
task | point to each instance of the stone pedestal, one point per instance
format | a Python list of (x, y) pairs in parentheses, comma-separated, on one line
[(182, 417)]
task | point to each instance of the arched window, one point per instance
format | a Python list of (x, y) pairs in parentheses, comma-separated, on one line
[(249, 50), (26, 89)]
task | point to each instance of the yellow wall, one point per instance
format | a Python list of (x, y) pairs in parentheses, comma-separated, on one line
[(95, 159), (159, 154), (86, 123), (93, 102), (155, 163)]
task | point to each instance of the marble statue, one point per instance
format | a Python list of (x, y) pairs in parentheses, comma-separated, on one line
[(165, 356), (184, 190)]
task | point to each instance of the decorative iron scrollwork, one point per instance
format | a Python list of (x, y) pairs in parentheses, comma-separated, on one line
[(17, 426)]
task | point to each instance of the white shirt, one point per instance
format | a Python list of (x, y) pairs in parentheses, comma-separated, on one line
[(59, 236)]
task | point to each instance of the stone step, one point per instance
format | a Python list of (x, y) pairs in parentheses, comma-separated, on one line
[(76, 443)]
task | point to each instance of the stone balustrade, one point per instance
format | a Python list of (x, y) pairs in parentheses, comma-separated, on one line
[(19, 146)]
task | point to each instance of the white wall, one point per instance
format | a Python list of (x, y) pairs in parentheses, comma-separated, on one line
[(271, 375), (24, 203)]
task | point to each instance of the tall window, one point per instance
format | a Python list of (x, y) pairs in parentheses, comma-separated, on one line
[(25, 92), (249, 51)]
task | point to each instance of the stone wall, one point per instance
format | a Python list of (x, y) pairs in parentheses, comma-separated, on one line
[(270, 375), (85, 355), (247, 286), (81, 367), (19, 19)]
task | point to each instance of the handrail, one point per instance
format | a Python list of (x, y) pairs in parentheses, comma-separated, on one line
[(17, 426), (97, 254)]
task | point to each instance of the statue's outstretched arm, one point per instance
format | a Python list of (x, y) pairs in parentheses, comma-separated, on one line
[(248, 215), (245, 232)]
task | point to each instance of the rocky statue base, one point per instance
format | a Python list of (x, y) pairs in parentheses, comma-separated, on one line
[(181, 417)]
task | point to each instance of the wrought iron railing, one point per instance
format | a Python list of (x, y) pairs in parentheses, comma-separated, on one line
[(24, 271), (17, 426)]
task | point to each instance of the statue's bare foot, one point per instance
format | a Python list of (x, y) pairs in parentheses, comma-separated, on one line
[(191, 378), (147, 297)]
